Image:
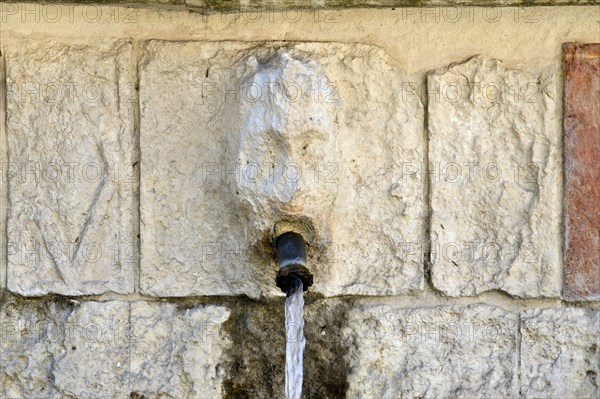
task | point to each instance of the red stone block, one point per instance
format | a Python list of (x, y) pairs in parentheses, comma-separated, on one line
[(582, 170)]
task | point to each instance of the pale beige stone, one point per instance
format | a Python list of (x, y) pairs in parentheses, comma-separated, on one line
[(70, 184), (282, 132), (192, 239), (439, 352), (217, 160), (30, 333), (154, 349), (112, 349), (560, 353), (95, 361), (178, 352), (495, 173)]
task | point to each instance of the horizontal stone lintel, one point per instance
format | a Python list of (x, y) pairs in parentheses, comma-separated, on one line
[(227, 6)]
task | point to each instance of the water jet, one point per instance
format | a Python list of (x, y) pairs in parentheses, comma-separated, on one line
[(276, 144)]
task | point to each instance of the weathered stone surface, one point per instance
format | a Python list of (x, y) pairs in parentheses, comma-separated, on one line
[(287, 129), (151, 349), (161, 350), (582, 171), (70, 171), (256, 366), (112, 349), (29, 336), (213, 181), (178, 352), (355, 348), (96, 351), (213, 6), (560, 353), (495, 175), (467, 352)]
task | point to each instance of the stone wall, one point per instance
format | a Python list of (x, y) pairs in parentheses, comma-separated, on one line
[(148, 153)]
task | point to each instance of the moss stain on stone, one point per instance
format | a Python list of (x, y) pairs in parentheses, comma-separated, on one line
[(256, 367)]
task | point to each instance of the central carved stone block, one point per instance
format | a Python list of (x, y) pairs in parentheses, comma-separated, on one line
[(248, 134)]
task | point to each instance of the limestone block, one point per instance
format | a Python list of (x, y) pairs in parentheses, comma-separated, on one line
[(440, 352), (111, 349), (178, 352), (495, 172), (118, 349), (560, 353), (235, 136), (70, 185), (96, 357), (29, 336)]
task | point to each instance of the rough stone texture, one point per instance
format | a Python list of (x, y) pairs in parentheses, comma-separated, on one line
[(211, 6), (286, 129), (150, 349), (70, 173), (441, 352), (179, 352), (560, 353), (206, 225), (355, 348), (243, 5), (582, 170), (30, 334), (256, 372), (495, 176), (96, 350), (111, 349)]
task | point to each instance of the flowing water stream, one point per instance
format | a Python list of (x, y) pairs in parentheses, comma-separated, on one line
[(294, 331)]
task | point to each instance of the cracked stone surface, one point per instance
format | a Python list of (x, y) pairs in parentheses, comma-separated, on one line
[(560, 353), (206, 226), (495, 171), (458, 351), (71, 181), (111, 349)]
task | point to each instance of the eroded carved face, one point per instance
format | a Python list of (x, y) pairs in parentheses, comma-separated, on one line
[(285, 154)]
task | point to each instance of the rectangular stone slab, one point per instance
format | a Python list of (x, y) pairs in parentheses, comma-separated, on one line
[(438, 352), (137, 346), (114, 349), (70, 172), (193, 240), (495, 174), (582, 171)]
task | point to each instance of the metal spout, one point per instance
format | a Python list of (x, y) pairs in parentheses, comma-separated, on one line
[(290, 253)]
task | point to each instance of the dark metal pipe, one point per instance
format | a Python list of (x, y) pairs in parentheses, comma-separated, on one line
[(290, 253)]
